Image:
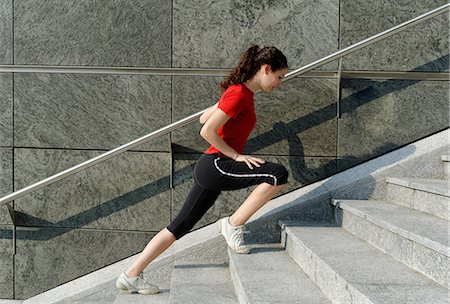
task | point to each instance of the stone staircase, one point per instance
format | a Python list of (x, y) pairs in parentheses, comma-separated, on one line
[(392, 251), (388, 247)]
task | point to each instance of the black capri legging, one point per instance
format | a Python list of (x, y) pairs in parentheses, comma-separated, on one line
[(212, 174)]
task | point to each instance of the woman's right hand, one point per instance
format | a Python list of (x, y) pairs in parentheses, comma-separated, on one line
[(250, 160)]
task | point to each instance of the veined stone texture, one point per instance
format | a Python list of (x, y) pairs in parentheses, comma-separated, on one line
[(6, 185), (6, 32), (48, 257), (127, 192), (214, 33), (379, 116), (191, 95), (85, 32), (6, 262), (424, 47), (298, 119), (82, 111), (6, 110)]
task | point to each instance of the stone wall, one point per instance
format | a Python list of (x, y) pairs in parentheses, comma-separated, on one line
[(50, 122)]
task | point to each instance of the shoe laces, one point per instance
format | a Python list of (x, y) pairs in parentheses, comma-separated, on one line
[(239, 235)]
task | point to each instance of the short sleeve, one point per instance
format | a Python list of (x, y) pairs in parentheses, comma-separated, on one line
[(232, 102)]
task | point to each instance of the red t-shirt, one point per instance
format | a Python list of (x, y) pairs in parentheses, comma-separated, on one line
[(237, 102)]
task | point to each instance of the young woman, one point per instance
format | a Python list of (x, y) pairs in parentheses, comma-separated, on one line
[(226, 126)]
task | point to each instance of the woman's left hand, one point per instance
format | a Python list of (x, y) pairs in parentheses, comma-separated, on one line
[(250, 160)]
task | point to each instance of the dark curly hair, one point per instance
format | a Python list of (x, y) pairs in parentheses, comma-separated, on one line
[(251, 61)]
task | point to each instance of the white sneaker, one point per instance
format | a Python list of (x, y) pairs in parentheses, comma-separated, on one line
[(136, 284), (234, 235)]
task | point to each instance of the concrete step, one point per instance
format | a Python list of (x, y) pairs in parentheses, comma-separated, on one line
[(427, 195), (415, 238), (203, 278), (269, 275), (446, 160), (349, 270)]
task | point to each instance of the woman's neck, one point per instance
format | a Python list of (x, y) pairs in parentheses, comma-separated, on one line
[(253, 85)]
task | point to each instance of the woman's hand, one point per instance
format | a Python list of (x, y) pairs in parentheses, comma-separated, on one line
[(249, 160)]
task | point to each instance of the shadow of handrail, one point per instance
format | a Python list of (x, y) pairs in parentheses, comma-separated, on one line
[(281, 131)]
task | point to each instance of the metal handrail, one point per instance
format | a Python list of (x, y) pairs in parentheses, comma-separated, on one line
[(371, 40), (48, 69), (183, 122)]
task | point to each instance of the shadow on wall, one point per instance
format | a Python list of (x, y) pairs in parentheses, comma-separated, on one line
[(281, 131)]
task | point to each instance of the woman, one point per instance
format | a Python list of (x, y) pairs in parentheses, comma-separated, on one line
[(226, 127)]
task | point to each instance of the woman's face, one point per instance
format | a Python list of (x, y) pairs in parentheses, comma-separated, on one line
[(271, 80)]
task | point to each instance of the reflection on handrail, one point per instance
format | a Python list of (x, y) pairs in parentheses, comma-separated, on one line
[(194, 117)]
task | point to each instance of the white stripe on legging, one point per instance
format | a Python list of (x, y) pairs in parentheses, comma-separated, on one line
[(244, 175)]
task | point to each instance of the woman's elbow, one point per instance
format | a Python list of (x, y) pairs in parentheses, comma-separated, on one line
[(204, 133)]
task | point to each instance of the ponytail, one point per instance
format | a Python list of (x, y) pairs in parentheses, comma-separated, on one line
[(251, 61)]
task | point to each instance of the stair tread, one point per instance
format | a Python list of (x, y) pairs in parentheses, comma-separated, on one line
[(436, 186), (420, 227), (196, 282), (375, 274), (124, 298), (269, 275)]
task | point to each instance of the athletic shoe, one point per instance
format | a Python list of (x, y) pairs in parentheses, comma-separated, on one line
[(136, 284), (234, 235)]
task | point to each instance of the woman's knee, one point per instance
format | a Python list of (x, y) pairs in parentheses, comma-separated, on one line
[(282, 175)]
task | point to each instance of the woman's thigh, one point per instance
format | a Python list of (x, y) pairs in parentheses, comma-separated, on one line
[(226, 174)]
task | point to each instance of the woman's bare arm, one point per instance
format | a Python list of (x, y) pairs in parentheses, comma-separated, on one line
[(209, 132), (207, 114)]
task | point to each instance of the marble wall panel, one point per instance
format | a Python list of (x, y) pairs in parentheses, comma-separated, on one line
[(6, 181), (85, 32), (191, 95), (302, 171), (127, 192), (48, 257), (214, 33), (6, 110), (6, 262), (89, 111), (6, 32), (424, 47), (299, 119), (380, 116)]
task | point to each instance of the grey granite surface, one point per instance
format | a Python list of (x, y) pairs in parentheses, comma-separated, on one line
[(128, 192), (415, 255), (111, 33), (6, 32), (6, 110), (203, 277), (380, 116), (437, 205), (347, 268), (6, 181), (191, 95), (6, 262), (298, 119), (214, 33), (44, 261), (269, 275), (424, 47), (89, 111)]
